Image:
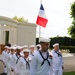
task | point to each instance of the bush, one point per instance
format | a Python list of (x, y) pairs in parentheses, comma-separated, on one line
[(71, 48)]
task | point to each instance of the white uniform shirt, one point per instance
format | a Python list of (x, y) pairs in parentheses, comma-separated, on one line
[(57, 60), (36, 68), (15, 61), (22, 66), (8, 59), (31, 54), (3, 56), (11, 61)]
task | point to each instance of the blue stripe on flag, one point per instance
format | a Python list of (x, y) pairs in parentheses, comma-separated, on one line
[(41, 8)]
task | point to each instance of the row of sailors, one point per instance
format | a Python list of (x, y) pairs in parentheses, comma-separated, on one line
[(23, 61), (12, 56)]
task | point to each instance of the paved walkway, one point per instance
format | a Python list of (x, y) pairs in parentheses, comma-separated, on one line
[(69, 64)]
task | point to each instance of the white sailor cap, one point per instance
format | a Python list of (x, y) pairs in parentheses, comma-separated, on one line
[(9, 48), (6, 47), (26, 50), (14, 48), (25, 46), (19, 47), (38, 45), (45, 40), (32, 46), (14, 45), (56, 44)]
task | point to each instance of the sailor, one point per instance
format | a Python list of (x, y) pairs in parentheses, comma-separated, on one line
[(8, 60), (38, 47), (32, 50), (15, 58), (25, 47), (24, 63), (57, 60), (11, 61), (41, 62), (3, 58)]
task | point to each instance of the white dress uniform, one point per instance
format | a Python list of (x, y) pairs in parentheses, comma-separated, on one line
[(15, 61), (57, 62), (11, 65), (24, 66), (41, 63), (8, 63), (31, 54), (3, 58)]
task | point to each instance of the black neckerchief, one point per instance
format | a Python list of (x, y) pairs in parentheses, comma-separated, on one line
[(44, 59), (17, 58), (32, 54), (27, 64), (58, 53)]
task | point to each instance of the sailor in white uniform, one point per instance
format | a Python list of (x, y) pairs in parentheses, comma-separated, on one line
[(25, 47), (8, 60), (57, 60), (11, 61), (3, 58), (32, 51), (41, 62), (24, 63), (38, 47), (15, 58)]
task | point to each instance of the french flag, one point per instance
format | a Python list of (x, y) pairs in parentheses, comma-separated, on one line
[(41, 19)]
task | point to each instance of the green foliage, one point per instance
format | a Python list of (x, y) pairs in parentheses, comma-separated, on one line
[(65, 43), (19, 19), (71, 29), (71, 48), (69, 73), (72, 13)]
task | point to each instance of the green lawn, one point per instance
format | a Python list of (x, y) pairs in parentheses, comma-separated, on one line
[(69, 73)]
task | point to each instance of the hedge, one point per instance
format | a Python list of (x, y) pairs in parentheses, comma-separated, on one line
[(71, 48)]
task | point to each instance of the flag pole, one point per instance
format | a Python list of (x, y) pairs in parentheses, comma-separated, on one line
[(40, 26)]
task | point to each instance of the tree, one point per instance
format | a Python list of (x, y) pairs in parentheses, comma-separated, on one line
[(19, 19), (71, 29)]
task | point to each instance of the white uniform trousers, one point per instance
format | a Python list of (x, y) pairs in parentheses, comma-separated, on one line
[(24, 73), (58, 72)]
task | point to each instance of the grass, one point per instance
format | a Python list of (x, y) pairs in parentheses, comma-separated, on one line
[(69, 73)]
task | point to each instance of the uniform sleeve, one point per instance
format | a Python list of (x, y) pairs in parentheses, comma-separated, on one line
[(2, 56), (13, 61), (33, 65), (62, 61)]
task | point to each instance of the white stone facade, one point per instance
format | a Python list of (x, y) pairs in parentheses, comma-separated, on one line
[(20, 33)]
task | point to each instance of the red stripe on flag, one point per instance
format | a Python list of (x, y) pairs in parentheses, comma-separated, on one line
[(41, 21)]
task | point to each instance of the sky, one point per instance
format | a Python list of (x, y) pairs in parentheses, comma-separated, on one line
[(57, 12)]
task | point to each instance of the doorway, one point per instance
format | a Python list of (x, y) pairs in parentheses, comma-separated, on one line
[(6, 37)]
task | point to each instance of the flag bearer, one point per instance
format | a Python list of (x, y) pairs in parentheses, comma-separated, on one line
[(24, 63), (41, 62), (57, 60)]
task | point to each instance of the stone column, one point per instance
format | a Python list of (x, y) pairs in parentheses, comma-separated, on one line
[(1, 34)]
